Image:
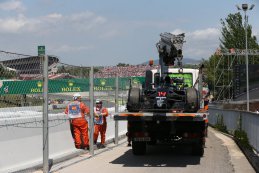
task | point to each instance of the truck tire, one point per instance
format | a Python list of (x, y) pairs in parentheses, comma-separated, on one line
[(192, 102), (148, 80), (198, 150), (133, 104), (138, 148)]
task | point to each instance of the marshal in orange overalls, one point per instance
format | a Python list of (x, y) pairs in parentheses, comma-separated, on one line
[(76, 111), (100, 124)]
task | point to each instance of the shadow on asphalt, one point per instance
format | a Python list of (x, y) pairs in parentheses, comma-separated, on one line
[(159, 156)]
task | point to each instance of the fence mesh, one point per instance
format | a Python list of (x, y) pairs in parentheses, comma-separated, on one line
[(20, 90), (21, 86), (64, 81), (21, 102)]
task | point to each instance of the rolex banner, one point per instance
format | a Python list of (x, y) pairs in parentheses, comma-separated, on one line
[(36, 86), (65, 85)]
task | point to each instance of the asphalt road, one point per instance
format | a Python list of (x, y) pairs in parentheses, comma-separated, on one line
[(221, 156)]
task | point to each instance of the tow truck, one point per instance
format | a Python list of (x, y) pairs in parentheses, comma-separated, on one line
[(167, 108)]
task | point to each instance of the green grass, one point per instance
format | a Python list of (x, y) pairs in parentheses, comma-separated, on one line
[(220, 124), (16, 101), (241, 136)]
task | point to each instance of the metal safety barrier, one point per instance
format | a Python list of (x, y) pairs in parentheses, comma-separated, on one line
[(238, 120)]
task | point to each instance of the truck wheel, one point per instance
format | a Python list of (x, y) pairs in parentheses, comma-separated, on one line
[(198, 150), (138, 148), (148, 80), (192, 103), (133, 104)]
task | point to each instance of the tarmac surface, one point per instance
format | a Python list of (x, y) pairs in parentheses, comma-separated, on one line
[(221, 155)]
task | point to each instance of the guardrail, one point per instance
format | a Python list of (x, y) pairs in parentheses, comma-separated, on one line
[(21, 139), (235, 119)]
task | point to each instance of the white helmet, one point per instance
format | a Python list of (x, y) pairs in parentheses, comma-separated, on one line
[(98, 101), (76, 96)]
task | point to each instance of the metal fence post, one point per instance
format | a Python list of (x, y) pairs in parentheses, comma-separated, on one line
[(45, 116), (116, 110), (200, 90), (91, 111)]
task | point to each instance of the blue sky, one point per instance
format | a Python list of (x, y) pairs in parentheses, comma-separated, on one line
[(108, 32)]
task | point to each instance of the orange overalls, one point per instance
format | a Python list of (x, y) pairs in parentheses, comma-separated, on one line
[(76, 111), (100, 125)]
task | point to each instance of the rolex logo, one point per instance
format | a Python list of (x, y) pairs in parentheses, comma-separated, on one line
[(103, 82), (70, 83), (135, 81), (39, 84)]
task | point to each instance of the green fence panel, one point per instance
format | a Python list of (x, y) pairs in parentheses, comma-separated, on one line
[(36, 86), (65, 85)]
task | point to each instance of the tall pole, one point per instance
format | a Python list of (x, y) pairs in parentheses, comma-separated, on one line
[(45, 116), (116, 138), (214, 78), (91, 111), (200, 87), (246, 7), (247, 75)]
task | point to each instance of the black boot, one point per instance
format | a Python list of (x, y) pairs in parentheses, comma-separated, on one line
[(102, 146)]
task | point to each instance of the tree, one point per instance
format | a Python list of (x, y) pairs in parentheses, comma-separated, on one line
[(122, 65), (5, 73), (233, 36), (209, 65), (233, 33), (80, 72), (61, 69), (190, 66)]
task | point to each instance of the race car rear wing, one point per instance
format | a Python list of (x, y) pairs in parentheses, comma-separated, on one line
[(154, 116)]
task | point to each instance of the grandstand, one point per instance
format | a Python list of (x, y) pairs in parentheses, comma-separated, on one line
[(51, 76), (29, 65), (30, 68), (124, 71)]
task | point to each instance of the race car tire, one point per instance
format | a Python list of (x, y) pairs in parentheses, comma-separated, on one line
[(148, 80), (133, 104), (192, 102)]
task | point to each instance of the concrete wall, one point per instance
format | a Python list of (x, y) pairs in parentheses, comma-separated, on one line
[(234, 119), (21, 147)]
